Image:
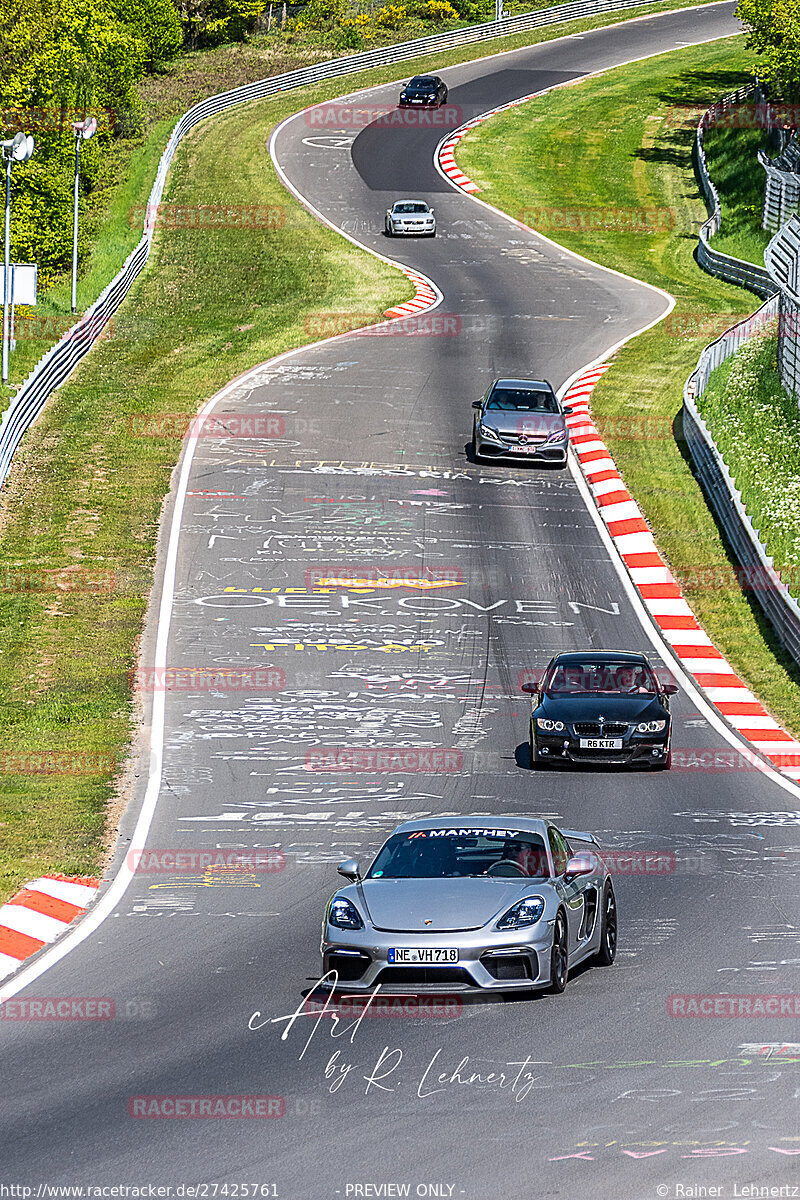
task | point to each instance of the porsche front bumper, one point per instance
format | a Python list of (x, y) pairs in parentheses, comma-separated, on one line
[(513, 959)]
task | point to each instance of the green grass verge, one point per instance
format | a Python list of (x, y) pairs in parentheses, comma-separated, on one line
[(739, 179), (756, 426), (611, 144), (85, 498)]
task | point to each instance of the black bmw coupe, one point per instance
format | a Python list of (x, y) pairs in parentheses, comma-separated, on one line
[(600, 707)]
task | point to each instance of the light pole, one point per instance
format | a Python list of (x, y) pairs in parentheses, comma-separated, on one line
[(16, 149), (83, 130)]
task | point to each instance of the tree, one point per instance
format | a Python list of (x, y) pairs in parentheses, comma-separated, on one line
[(156, 23), (774, 33), (61, 60), (211, 22)]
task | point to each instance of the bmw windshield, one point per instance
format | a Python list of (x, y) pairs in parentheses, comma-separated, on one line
[(600, 679), (447, 854)]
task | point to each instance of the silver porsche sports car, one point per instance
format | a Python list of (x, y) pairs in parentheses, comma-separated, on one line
[(494, 903), (410, 217)]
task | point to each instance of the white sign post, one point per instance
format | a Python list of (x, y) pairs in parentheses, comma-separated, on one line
[(22, 290)]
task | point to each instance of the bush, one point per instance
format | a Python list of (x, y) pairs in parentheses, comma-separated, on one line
[(391, 16), (156, 23), (439, 10), (349, 35)]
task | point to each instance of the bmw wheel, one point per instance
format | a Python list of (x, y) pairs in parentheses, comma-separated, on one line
[(559, 956), (608, 930), (534, 760)]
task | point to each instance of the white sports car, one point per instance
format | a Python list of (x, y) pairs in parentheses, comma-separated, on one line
[(410, 217)]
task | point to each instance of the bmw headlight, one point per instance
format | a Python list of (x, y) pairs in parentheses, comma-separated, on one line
[(548, 726), (344, 915), (524, 912), (651, 727)]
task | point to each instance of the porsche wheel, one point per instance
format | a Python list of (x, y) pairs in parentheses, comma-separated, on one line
[(608, 930), (559, 956)]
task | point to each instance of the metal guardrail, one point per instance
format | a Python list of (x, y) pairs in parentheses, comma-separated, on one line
[(724, 266), (782, 257), (782, 190), (59, 362), (783, 307), (759, 574)]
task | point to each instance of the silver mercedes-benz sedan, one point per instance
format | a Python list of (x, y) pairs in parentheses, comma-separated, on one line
[(493, 903), (521, 418), (410, 217)]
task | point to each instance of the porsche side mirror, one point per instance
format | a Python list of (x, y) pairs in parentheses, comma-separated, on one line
[(670, 689), (476, 403), (581, 864), (350, 869)]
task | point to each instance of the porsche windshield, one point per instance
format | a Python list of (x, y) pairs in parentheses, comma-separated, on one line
[(521, 400), (422, 83), (600, 679), (447, 854)]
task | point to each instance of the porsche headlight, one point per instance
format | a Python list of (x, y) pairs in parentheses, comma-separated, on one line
[(524, 912), (548, 726), (651, 727), (344, 915)]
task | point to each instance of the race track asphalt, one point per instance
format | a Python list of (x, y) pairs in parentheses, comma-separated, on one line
[(598, 1092)]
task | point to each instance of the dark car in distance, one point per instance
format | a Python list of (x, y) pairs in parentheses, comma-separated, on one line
[(600, 707), (521, 418), (423, 89)]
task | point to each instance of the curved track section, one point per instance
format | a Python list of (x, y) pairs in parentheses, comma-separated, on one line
[(598, 1091)]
